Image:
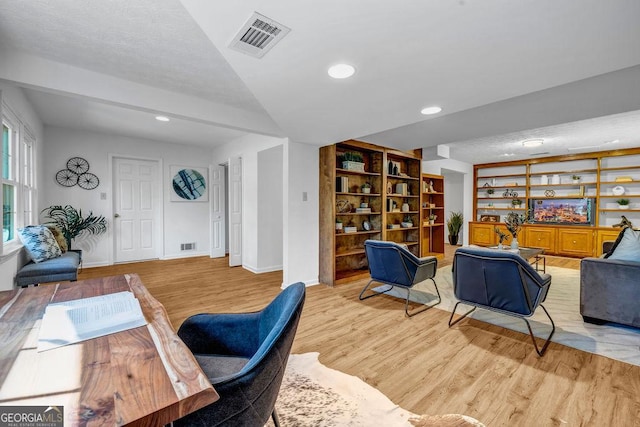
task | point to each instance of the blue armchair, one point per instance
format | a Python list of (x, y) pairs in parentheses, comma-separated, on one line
[(393, 265), (244, 356), (500, 281)]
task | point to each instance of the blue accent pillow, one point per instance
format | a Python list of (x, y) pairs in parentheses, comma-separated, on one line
[(39, 242), (628, 246)]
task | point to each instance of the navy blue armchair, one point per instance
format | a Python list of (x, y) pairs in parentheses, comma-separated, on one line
[(393, 265), (244, 356), (501, 281)]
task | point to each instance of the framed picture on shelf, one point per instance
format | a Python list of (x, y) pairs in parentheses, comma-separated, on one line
[(489, 218)]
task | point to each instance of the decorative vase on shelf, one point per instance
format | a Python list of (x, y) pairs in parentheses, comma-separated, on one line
[(405, 207), (514, 243), (555, 179), (500, 245), (544, 180)]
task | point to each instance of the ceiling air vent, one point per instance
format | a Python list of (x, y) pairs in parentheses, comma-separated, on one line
[(258, 35)]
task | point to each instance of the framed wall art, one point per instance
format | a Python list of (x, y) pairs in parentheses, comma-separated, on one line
[(189, 184)]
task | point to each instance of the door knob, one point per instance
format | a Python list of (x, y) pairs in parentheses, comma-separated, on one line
[(116, 215)]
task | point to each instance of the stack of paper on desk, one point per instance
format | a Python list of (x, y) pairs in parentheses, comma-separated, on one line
[(78, 320)]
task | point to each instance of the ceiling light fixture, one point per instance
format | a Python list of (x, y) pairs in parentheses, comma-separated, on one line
[(507, 154), (341, 71), (162, 118), (532, 142), (431, 110), (615, 141)]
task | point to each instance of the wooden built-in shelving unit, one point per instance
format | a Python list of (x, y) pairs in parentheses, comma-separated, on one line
[(394, 197)]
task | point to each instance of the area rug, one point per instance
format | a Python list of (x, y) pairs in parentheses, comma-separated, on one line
[(563, 303), (316, 396)]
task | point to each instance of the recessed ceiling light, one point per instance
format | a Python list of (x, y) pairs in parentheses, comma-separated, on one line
[(341, 71), (615, 141), (162, 118), (431, 110), (533, 142), (507, 154)]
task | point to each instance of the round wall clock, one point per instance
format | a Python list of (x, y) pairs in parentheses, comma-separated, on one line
[(78, 165), (66, 178), (88, 181)]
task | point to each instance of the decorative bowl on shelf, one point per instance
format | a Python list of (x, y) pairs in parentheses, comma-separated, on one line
[(406, 224)]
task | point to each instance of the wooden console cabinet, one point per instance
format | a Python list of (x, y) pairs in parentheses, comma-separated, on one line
[(602, 177)]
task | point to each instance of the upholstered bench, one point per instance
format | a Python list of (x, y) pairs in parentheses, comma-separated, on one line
[(64, 267)]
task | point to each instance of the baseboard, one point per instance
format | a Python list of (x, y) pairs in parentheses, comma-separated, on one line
[(190, 255), (307, 283), (94, 264), (262, 270)]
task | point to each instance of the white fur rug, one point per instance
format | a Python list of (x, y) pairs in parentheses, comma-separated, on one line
[(316, 396), (563, 303)]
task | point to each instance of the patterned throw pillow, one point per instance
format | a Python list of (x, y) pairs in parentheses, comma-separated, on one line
[(39, 242), (627, 246), (57, 234)]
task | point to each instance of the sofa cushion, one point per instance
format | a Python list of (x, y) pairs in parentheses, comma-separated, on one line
[(39, 242), (627, 246), (64, 264)]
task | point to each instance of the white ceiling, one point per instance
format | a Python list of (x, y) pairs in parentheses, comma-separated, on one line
[(498, 68)]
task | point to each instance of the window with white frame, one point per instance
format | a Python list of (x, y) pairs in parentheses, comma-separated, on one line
[(18, 181)]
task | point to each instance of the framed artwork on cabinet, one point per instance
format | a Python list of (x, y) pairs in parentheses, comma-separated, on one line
[(489, 218)]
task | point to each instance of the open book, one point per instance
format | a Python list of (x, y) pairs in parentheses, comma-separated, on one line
[(78, 320)]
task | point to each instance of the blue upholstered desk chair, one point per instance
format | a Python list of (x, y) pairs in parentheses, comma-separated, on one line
[(393, 265), (244, 355), (499, 281)]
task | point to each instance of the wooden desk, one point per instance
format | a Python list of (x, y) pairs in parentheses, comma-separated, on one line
[(141, 377)]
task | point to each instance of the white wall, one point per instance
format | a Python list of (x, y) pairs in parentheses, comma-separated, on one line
[(270, 197), (301, 224), (442, 167), (183, 222), (248, 148), (453, 198), (300, 218), (14, 99)]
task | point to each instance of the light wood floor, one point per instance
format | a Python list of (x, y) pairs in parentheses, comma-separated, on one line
[(484, 371)]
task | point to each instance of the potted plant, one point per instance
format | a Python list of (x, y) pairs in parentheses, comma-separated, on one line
[(432, 218), (490, 192), (454, 224), (366, 188), (514, 222), (353, 161), (407, 222), (501, 236), (576, 179), (516, 203), (623, 203), (72, 224)]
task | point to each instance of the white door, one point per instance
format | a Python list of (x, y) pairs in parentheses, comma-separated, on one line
[(217, 212), (235, 211), (137, 209)]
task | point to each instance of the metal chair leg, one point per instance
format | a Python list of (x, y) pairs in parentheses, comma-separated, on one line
[(274, 416), (548, 341), (462, 317), (426, 307), (374, 293)]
